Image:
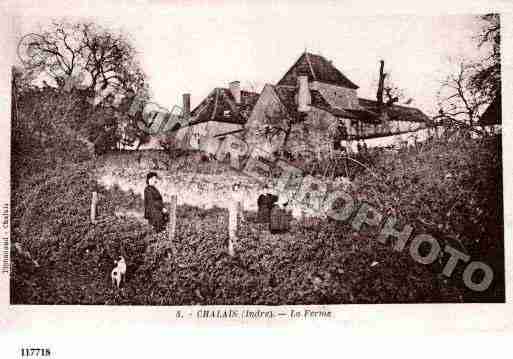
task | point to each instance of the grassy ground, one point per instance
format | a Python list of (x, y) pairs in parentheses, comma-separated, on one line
[(315, 263), (321, 262)]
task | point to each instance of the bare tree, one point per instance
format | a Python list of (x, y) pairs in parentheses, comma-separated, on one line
[(487, 77), (393, 93), (98, 60), (104, 57), (458, 99), (57, 49), (110, 59), (388, 92), (278, 123)]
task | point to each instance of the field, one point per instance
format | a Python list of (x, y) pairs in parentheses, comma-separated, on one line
[(451, 189)]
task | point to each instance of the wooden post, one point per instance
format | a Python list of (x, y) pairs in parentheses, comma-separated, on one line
[(232, 226), (171, 228), (94, 202), (240, 211)]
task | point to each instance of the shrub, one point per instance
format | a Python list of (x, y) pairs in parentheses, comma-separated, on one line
[(450, 189)]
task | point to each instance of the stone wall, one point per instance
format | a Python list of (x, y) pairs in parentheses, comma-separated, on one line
[(190, 136), (268, 105), (386, 128), (315, 135)]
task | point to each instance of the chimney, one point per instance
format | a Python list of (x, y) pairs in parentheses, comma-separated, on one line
[(303, 96), (381, 84), (235, 90), (186, 99)]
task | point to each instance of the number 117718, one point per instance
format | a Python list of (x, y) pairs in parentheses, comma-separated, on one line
[(35, 352)]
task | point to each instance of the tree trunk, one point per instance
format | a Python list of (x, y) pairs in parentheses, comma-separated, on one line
[(286, 138), (381, 85)]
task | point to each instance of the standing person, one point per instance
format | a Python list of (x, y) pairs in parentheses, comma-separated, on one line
[(154, 210), (237, 198), (265, 204), (280, 217)]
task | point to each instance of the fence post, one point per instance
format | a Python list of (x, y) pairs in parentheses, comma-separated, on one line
[(94, 202), (232, 226), (171, 229)]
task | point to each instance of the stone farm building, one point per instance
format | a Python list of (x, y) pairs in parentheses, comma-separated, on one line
[(224, 111), (313, 108)]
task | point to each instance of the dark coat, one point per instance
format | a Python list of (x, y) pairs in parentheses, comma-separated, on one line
[(265, 203), (279, 220), (153, 208)]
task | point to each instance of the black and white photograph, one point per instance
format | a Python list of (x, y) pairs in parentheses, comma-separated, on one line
[(179, 154)]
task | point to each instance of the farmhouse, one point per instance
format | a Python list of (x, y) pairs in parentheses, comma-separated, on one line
[(224, 111), (315, 108)]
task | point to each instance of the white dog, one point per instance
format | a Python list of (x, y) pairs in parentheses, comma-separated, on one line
[(118, 273)]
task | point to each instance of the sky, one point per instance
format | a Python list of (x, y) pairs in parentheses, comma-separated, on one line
[(192, 47)]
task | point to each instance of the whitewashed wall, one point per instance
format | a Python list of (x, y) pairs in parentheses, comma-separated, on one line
[(394, 140)]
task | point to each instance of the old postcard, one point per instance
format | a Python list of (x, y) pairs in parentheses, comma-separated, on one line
[(261, 164)]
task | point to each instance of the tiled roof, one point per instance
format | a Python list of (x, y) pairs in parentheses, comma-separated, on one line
[(367, 113), (287, 96), (395, 112), (318, 69), (220, 106)]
